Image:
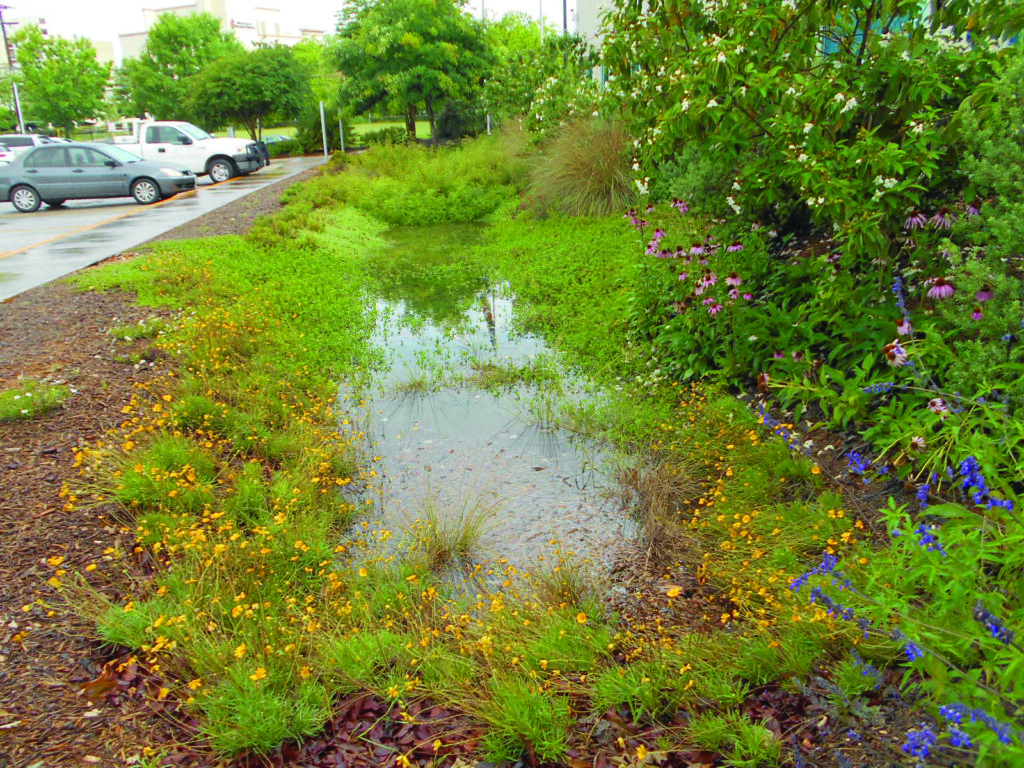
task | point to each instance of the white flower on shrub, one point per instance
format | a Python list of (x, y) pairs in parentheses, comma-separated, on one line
[(712, 103)]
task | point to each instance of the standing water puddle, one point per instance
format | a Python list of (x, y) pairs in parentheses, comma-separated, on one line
[(451, 448)]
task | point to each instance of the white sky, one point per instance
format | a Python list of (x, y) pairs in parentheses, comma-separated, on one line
[(106, 19)]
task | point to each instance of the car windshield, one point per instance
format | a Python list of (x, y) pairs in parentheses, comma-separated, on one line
[(121, 154), (193, 131)]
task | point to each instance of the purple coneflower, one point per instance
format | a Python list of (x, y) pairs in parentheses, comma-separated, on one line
[(658, 233), (734, 293), (699, 288), (735, 247), (748, 296), (985, 293), (709, 277), (682, 275), (941, 289), (832, 258), (903, 327), (943, 219), (976, 314), (938, 405), (664, 253), (916, 220), (714, 309), (698, 249), (773, 232), (918, 443), (680, 252), (798, 356), (650, 208), (973, 208), (778, 355), (755, 226), (734, 280), (680, 205), (895, 354)]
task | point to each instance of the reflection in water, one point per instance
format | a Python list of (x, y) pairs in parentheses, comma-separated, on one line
[(450, 445)]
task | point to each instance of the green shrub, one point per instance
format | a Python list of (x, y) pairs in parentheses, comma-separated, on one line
[(391, 135), (285, 148)]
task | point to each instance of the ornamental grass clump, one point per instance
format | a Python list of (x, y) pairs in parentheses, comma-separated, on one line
[(584, 171)]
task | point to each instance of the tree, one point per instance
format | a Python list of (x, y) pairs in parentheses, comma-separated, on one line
[(559, 67), (410, 52), (61, 80), (177, 49), (251, 86)]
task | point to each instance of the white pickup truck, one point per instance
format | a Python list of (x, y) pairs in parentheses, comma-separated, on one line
[(193, 147)]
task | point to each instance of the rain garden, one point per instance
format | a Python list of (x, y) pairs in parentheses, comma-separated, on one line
[(679, 427)]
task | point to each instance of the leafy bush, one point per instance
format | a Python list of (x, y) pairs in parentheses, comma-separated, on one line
[(823, 121), (995, 162), (584, 171), (391, 135), (285, 148), (459, 119)]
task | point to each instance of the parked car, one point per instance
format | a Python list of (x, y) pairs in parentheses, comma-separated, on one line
[(6, 155), (57, 172), (19, 142)]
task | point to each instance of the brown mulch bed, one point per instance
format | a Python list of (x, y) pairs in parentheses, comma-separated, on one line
[(49, 716)]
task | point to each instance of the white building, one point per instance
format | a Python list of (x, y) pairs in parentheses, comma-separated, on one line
[(250, 23)]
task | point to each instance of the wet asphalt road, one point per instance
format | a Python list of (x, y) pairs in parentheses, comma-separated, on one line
[(36, 248)]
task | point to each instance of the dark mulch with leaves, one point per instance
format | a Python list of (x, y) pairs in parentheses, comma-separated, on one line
[(46, 655)]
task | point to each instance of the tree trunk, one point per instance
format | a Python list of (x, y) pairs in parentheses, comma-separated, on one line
[(410, 121), (433, 125)]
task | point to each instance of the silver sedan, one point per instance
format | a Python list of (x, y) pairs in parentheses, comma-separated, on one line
[(54, 173)]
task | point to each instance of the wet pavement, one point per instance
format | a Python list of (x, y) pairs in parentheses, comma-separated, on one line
[(38, 247), (454, 450)]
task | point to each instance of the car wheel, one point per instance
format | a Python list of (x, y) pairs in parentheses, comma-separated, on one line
[(54, 203), (221, 169), (25, 199), (145, 191)]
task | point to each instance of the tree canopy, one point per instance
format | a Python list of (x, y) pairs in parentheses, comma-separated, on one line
[(62, 81), (407, 53), (249, 87), (177, 49)]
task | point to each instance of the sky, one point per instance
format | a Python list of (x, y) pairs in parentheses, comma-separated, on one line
[(106, 19)]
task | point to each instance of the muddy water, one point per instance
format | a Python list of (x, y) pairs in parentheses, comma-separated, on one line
[(447, 444)]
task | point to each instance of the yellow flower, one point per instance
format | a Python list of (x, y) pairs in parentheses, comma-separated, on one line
[(258, 675), (240, 651), (194, 684), (674, 591), (305, 672), (437, 744), (403, 762), (581, 618), (641, 753)]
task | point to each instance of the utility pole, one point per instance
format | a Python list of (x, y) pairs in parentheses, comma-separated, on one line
[(10, 66), (7, 45)]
